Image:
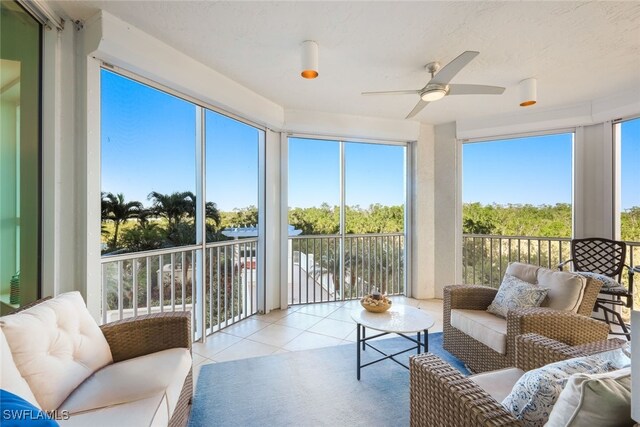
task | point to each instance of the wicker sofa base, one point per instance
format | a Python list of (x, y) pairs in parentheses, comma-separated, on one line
[(477, 356), (181, 413)]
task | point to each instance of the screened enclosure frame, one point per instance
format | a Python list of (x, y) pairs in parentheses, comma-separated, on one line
[(342, 141)]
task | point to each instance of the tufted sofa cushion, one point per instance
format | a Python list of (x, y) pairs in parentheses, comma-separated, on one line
[(10, 378), (56, 345)]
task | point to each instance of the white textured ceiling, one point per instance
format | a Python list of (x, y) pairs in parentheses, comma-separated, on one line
[(578, 51)]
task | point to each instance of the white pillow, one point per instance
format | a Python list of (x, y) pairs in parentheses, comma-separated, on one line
[(602, 400), (56, 345), (10, 378), (533, 396), (515, 293)]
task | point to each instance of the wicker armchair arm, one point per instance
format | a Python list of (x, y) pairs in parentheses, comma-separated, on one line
[(534, 351), (564, 326), (441, 396), (148, 334), (471, 297)]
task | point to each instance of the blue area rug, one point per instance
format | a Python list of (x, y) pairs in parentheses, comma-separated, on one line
[(310, 388)]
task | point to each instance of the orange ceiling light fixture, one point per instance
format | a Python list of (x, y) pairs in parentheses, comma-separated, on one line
[(309, 59), (528, 92)]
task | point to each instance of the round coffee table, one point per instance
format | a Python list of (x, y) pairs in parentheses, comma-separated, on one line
[(400, 320)]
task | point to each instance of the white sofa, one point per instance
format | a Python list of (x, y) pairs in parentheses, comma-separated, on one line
[(135, 372)]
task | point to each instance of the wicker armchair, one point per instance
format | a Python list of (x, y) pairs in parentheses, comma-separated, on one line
[(441, 396), (147, 334), (151, 333), (567, 327)]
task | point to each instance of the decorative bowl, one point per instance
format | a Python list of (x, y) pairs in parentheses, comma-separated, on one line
[(375, 305)]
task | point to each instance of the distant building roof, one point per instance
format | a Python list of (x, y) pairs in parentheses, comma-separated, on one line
[(252, 231)]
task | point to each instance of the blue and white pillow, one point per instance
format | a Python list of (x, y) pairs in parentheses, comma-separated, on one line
[(515, 293), (533, 396), (607, 282)]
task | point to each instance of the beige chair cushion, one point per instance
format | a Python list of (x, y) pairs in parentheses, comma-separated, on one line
[(152, 411), (485, 327), (498, 383), (56, 345), (161, 373), (526, 272), (565, 289), (10, 378), (602, 400)]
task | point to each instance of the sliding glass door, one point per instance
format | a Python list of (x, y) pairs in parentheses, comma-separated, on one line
[(20, 56)]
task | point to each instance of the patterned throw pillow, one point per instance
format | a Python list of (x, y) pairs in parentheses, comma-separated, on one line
[(516, 293), (607, 282), (533, 396)]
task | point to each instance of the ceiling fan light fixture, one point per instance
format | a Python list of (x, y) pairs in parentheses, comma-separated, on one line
[(528, 92), (309, 59), (433, 95)]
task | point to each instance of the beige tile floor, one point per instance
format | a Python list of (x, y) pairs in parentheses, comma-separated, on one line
[(301, 327)]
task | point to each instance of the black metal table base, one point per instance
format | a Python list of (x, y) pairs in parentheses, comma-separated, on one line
[(421, 341)]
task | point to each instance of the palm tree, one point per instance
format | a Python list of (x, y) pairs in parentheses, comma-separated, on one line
[(119, 211), (174, 207), (212, 212)]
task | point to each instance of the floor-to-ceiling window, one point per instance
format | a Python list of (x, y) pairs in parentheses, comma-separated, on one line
[(180, 187), (20, 80), (517, 196), (627, 136), (347, 219), (628, 133)]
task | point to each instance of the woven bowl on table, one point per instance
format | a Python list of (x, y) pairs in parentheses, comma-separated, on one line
[(380, 308)]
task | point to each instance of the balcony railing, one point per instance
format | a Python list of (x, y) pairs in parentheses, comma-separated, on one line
[(317, 274), (486, 257), (163, 280)]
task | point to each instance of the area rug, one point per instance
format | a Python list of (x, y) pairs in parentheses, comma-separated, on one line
[(310, 388)]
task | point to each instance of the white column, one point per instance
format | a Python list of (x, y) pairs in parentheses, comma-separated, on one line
[(593, 195), (271, 230), (422, 225), (447, 204)]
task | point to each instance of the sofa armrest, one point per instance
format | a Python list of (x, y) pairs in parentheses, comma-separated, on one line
[(129, 338), (534, 351), (440, 396), (471, 297), (564, 326)]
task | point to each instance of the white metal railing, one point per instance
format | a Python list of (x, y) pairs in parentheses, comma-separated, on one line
[(316, 273), (165, 280)]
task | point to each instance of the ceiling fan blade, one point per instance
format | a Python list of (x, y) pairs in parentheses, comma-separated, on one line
[(449, 71), (419, 106), (475, 90), (393, 92)]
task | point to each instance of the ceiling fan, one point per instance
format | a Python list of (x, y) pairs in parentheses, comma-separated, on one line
[(439, 87)]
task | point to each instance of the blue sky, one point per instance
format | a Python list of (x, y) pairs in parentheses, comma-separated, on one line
[(373, 173), (148, 144), (533, 171)]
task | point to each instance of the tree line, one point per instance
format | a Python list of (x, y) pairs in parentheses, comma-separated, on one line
[(127, 226)]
